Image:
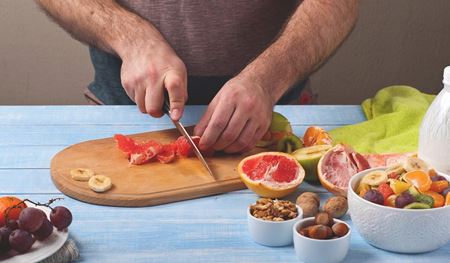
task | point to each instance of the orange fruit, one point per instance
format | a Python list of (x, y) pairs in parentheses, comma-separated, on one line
[(439, 186), (447, 199), (438, 198), (5, 203), (337, 166), (271, 174), (315, 135), (420, 179)]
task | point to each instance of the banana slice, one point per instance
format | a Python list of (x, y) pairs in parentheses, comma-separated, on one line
[(397, 168), (81, 174), (100, 183), (375, 178), (414, 164)]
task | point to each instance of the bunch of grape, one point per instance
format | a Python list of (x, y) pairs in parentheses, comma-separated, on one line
[(32, 224)]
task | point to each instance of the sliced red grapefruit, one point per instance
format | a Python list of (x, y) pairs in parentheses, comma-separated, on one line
[(337, 166), (167, 153), (271, 174)]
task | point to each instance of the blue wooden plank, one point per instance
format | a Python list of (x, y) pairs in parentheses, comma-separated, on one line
[(37, 157), (71, 134), (203, 230), (105, 115)]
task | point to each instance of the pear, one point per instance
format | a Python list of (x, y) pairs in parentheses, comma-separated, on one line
[(289, 143), (278, 129), (309, 157)]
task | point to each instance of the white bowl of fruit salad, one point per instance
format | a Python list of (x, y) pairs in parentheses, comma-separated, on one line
[(402, 208)]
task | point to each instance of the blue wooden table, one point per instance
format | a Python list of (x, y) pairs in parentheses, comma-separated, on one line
[(210, 229)]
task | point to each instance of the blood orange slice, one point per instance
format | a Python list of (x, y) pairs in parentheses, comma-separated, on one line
[(271, 174), (337, 166), (167, 153), (137, 153), (184, 149)]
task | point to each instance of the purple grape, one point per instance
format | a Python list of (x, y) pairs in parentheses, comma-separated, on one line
[(4, 233), (30, 219), (44, 231), (374, 196), (438, 178), (12, 224), (20, 240), (446, 191), (61, 217), (404, 199)]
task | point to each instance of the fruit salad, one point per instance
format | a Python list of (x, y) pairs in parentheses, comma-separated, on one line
[(410, 185)]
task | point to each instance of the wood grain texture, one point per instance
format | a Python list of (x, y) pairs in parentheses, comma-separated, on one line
[(153, 183)]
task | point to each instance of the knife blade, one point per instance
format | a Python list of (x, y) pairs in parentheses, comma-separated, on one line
[(182, 130)]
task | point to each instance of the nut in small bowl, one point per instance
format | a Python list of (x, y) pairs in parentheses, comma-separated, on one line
[(323, 248), (270, 221)]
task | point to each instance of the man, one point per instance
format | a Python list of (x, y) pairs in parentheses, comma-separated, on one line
[(240, 56)]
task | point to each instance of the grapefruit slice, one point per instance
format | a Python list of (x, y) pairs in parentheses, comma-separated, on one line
[(271, 174), (337, 166)]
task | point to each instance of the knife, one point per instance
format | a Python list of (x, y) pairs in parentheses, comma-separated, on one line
[(182, 130)]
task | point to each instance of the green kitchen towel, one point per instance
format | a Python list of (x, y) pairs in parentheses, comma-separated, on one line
[(393, 120)]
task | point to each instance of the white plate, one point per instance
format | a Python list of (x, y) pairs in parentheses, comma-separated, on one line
[(40, 249)]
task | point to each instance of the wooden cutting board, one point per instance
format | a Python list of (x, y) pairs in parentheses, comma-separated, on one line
[(143, 185)]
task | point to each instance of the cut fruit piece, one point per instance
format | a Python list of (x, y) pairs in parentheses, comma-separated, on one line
[(279, 123), (184, 149), (439, 199), (426, 199), (167, 154), (390, 201), (315, 135), (419, 179), (289, 143), (337, 166), (6, 202), (398, 186), (385, 190), (417, 205), (415, 163), (309, 158), (271, 174), (375, 178), (447, 199), (137, 153), (439, 186)]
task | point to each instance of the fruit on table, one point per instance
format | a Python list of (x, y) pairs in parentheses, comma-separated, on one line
[(100, 183), (315, 135), (279, 128), (31, 219), (20, 240), (337, 166), (336, 206), (61, 217), (289, 143), (375, 178), (271, 174), (309, 202), (420, 179), (44, 231), (6, 204), (81, 174), (309, 158)]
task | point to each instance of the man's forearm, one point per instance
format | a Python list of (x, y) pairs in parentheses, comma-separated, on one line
[(313, 32), (102, 23)]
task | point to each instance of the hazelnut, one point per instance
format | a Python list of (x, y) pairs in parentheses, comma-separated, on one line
[(309, 208), (320, 232), (340, 229), (323, 218), (308, 197), (336, 206)]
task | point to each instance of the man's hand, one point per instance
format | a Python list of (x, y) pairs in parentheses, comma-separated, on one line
[(237, 117), (147, 71)]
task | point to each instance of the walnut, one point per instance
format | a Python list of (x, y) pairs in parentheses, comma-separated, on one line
[(274, 210)]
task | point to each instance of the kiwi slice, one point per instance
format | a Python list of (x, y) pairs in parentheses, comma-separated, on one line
[(289, 143), (413, 191), (425, 199), (309, 157), (417, 205)]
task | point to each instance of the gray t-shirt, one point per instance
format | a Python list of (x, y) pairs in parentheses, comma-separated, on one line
[(215, 39)]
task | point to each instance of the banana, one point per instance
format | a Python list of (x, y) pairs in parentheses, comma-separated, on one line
[(375, 178), (100, 183), (81, 174), (414, 164), (397, 168)]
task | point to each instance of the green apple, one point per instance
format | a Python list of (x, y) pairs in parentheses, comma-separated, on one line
[(309, 157)]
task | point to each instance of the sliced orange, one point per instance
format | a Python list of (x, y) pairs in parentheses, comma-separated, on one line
[(438, 198), (271, 174), (447, 199), (420, 179), (315, 135), (439, 186)]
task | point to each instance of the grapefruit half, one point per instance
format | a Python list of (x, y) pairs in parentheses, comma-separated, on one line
[(271, 174)]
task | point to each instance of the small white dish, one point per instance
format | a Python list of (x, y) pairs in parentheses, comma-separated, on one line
[(272, 233), (320, 251)]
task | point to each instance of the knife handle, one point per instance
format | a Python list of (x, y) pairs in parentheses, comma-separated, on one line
[(166, 104)]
